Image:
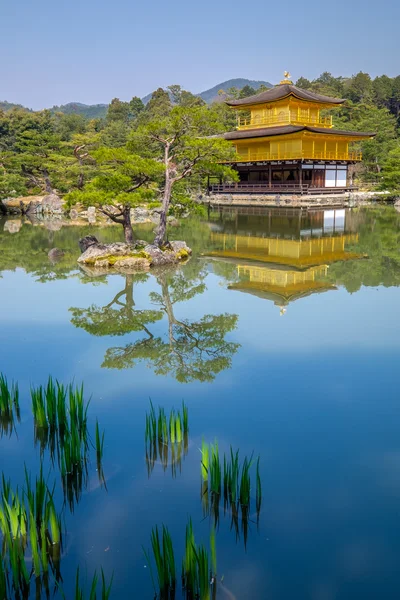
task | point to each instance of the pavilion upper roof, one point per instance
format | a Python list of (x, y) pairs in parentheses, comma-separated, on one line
[(282, 91)]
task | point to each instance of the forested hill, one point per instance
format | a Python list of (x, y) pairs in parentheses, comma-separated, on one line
[(90, 111), (99, 111), (5, 106)]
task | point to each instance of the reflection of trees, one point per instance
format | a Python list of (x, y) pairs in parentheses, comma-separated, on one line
[(379, 239), (191, 350), (28, 249), (118, 317)]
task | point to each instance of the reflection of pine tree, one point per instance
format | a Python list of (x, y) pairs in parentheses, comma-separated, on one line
[(119, 316), (192, 350)]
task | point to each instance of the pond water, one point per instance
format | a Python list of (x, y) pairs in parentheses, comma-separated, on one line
[(282, 336)]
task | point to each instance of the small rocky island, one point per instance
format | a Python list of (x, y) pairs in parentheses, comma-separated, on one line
[(140, 255)]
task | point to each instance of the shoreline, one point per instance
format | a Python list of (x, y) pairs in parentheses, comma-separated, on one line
[(342, 200)]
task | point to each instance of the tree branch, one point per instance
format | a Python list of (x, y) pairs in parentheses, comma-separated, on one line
[(112, 216)]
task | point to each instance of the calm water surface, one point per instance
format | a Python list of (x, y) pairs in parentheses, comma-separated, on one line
[(282, 335)]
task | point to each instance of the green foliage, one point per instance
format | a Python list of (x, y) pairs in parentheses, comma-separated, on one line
[(247, 91), (123, 180), (391, 170)]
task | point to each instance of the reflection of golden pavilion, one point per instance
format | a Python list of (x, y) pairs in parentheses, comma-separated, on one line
[(284, 257), (282, 285), (297, 253)]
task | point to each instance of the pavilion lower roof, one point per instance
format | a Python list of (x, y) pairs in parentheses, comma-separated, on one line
[(282, 295), (287, 129)]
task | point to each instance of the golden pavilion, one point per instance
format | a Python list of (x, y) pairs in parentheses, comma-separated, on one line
[(284, 143)]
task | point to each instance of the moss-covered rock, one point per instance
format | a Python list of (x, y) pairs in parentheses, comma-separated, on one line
[(139, 256)]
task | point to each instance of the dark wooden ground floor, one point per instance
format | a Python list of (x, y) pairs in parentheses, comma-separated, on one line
[(286, 177)]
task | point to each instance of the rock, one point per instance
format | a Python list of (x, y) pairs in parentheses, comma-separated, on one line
[(12, 225), (52, 224), (95, 250), (140, 215), (172, 222), (155, 218), (73, 214), (91, 212), (175, 253), (102, 263), (180, 246), (52, 203), (87, 241), (131, 262), (134, 257), (55, 254)]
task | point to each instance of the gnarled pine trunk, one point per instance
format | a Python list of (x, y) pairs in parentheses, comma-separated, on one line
[(127, 225), (162, 228)]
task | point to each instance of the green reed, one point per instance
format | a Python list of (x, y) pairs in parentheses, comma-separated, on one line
[(166, 437), (203, 573), (237, 481), (9, 405), (189, 563), (205, 460), (105, 590), (164, 558), (29, 519), (9, 396), (258, 488), (34, 540), (99, 442), (3, 579), (60, 416), (197, 574)]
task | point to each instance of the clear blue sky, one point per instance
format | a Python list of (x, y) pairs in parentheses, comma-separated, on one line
[(53, 52)]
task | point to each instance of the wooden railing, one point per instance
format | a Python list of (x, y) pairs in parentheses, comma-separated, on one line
[(254, 122), (261, 156), (282, 188), (254, 188)]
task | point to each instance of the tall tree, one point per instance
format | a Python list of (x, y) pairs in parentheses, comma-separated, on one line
[(183, 143), (247, 91), (359, 88), (118, 110), (123, 180)]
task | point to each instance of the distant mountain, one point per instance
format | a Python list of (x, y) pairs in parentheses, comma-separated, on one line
[(90, 111), (212, 94)]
